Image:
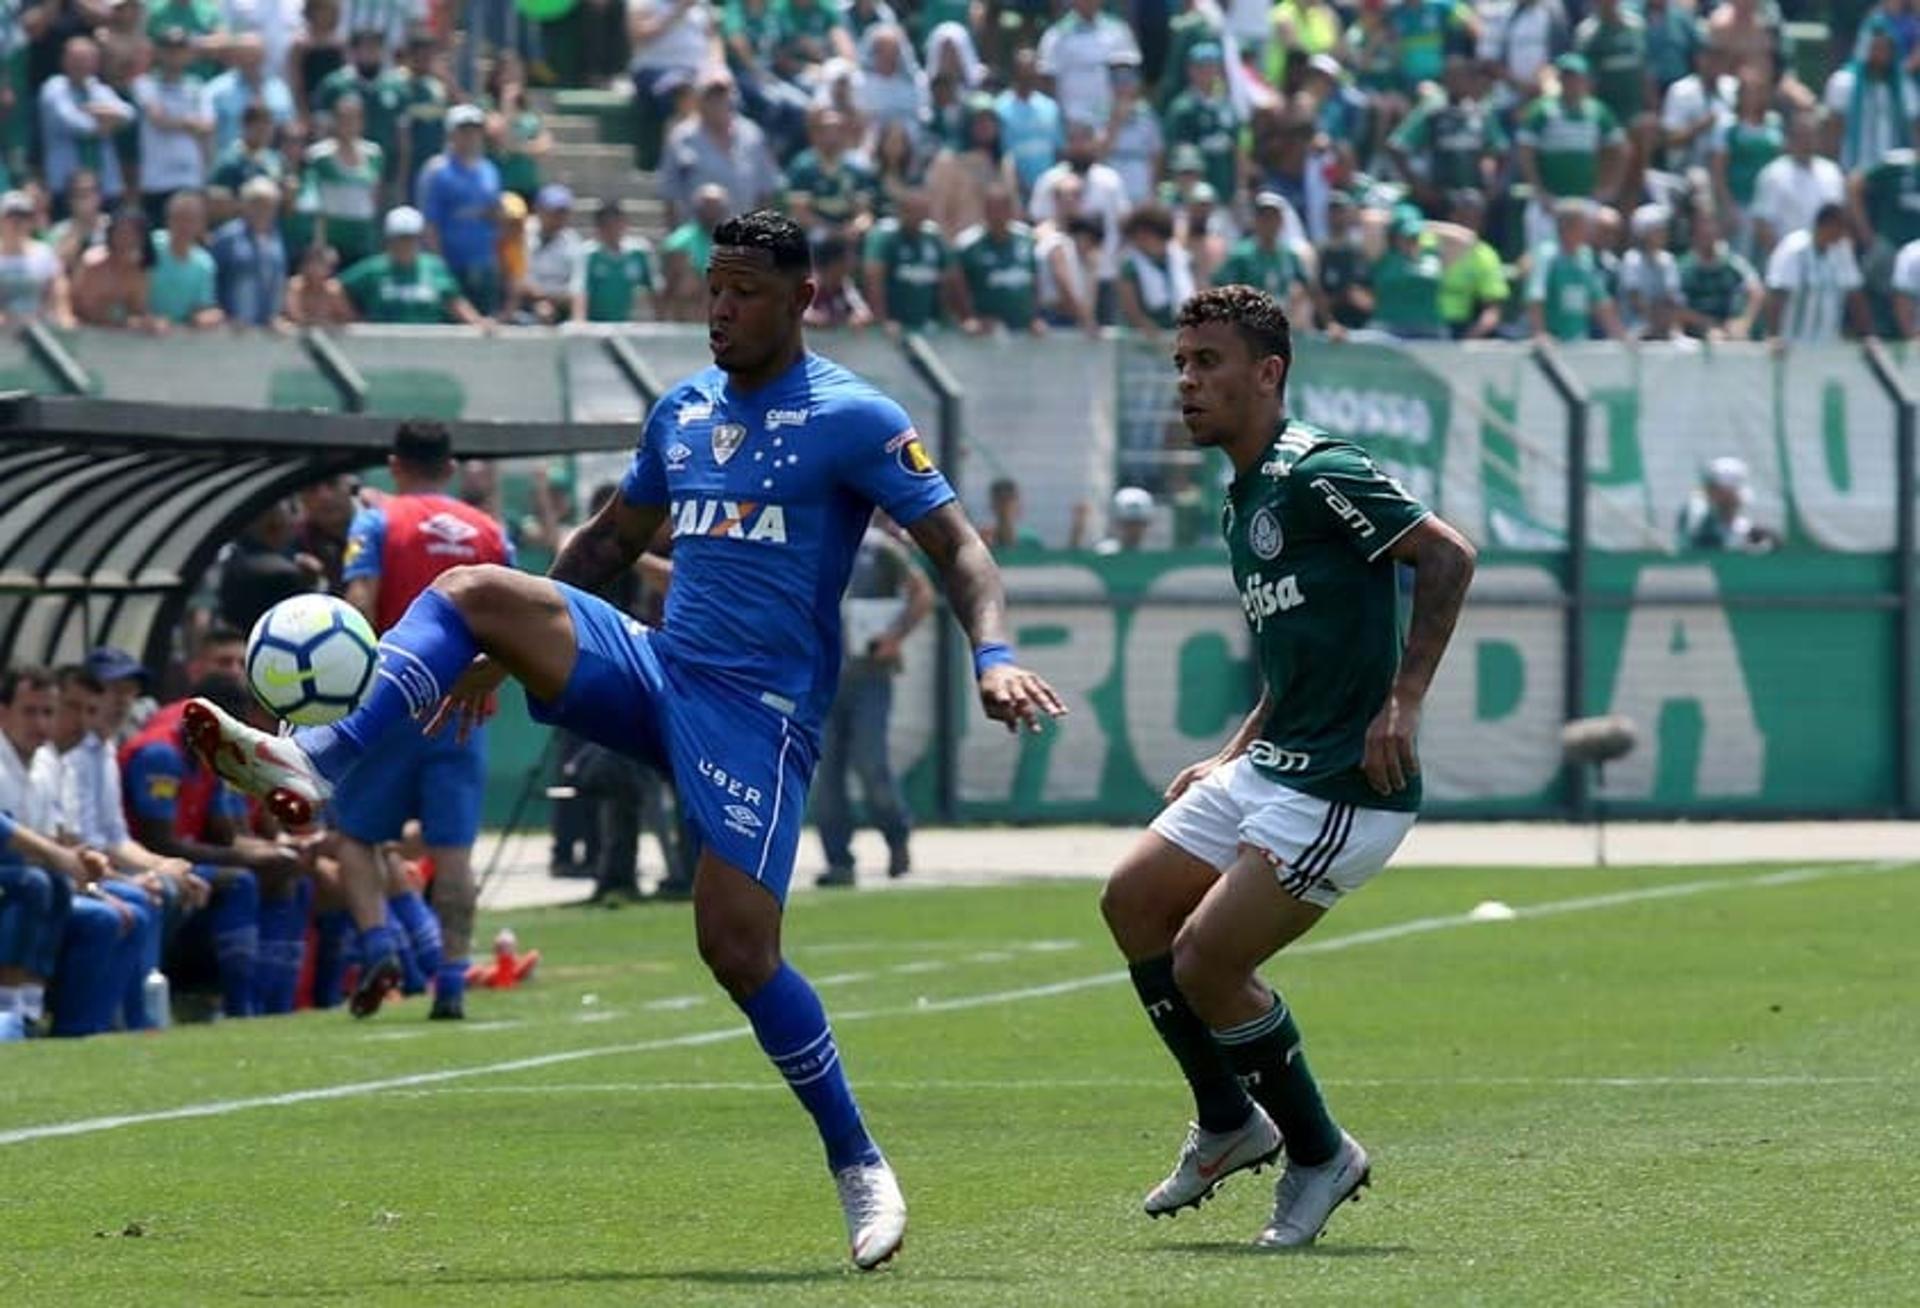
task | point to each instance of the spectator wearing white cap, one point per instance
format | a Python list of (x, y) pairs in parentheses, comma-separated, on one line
[(1649, 287), (407, 284), (555, 254), (250, 259), (1814, 283), (33, 287), (1128, 522), (1717, 515)]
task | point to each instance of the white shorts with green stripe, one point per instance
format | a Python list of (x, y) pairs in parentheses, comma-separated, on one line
[(1319, 850)]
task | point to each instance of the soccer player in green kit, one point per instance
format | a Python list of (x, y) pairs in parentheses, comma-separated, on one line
[(1314, 792)]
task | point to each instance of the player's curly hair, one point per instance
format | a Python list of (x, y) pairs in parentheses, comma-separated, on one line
[(1258, 317), (770, 230)]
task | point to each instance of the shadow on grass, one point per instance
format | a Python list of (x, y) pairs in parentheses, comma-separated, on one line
[(1242, 1249)]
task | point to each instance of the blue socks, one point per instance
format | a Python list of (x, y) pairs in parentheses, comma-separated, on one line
[(332, 954), (422, 929), (450, 981), (792, 1028), (420, 657), (234, 917), (283, 947)]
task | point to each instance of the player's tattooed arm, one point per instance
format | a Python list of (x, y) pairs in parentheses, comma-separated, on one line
[(607, 545), (1008, 693), (1442, 561)]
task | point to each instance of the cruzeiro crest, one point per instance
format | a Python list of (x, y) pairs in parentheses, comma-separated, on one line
[(728, 437), (1263, 534)]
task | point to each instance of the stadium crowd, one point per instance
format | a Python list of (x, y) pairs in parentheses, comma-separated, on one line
[(1419, 169)]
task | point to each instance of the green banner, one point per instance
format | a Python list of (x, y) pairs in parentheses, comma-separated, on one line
[(1745, 699)]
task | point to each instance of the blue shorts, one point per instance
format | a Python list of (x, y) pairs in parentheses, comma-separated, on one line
[(410, 775), (741, 766)]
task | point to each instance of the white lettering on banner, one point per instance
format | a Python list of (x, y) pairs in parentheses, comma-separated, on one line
[(1509, 749), (1838, 431), (1077, 751), (1685, 654), (1353, 414), (1155, 641)]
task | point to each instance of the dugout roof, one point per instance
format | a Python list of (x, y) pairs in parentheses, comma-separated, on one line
[(110, 511)]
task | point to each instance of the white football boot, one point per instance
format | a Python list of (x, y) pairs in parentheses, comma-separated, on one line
[(1208, 1158), (1305, 1197), (256, 762), (876, 1212)]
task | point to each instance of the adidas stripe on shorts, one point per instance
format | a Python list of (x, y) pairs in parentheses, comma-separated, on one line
[(1319, 850)]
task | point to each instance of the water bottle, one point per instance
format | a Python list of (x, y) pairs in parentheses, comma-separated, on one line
[(156, 998)]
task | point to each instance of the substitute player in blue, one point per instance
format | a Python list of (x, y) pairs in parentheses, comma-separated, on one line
[(766, 468), (395, 550)]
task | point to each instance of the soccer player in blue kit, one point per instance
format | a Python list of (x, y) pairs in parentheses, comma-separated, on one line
[(765, 468)]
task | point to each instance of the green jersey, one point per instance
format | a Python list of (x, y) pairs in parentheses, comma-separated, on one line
[(692, 242), (1406, 293), (613, 275), (1307, 531), (913, 263), (1716, 287), (1749, 147), (755, 26), (1449, 141), (1209, 125), (423, 292), (840, 190), (1568, 288), (520, 171), (1420, 39), (1001, 273), (1892, 197), (197, 18), (347, 195), (380, 96), (423, 120), (1617, 53), (1567, 143), (1274, 271), (239, 165)]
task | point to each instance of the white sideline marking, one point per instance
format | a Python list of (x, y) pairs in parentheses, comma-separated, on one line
[(1376, 935)]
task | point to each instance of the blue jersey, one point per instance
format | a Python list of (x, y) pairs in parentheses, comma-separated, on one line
[(768, 494)]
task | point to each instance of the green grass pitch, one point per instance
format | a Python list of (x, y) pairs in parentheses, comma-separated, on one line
[(1678, 1086)]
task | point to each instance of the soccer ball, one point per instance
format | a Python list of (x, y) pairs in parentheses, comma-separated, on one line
[(310, 659)]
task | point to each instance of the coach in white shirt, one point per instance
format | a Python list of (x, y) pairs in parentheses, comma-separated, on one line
[(1794, 187), (1813, 283)]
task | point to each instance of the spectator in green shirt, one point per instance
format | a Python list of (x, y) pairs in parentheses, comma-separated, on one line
[(1421, 30), (202, 21), (999, 270), (1446, 145), (1473, 288), (1569, 146), (181, 283), (252, 155), (616, 268), (908, 265), (1406, 281), (684, 254), (407, 284), (1719, 291), (1202, 116), (1263, 259), (840, 184), (424, 101), (364, 76), (1614, 41), (1567, 296), (1005, 531)]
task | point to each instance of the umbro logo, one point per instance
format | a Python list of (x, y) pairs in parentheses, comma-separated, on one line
[(446, 534), (677, 455)]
